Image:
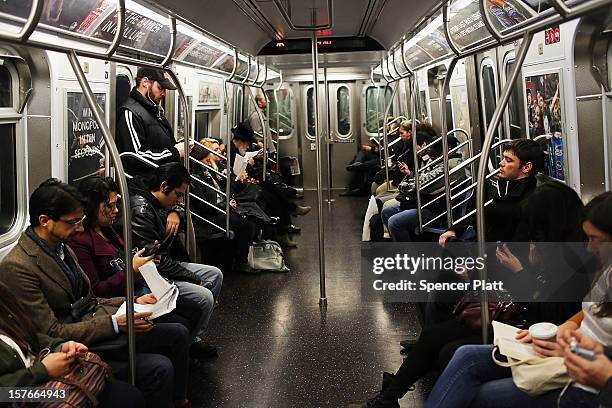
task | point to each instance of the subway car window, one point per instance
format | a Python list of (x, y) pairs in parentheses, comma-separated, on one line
[(281, 114), (6, 88), (310, 114), (8, 178), (344, 111), (513, 105), (450, 121), (201, 124), (238, 106), (489, 92), (375, 107)]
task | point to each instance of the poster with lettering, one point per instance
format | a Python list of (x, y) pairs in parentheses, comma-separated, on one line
[(141, 33), (545, 119), (70, 15), (86, 147)]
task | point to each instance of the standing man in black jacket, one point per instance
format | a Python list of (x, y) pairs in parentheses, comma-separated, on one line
[(142, 127)]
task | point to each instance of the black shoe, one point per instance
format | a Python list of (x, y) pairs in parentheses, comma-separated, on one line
[(351, 193), (292, 229), (202, 351)]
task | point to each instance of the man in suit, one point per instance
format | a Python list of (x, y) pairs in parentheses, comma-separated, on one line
[(43, 273)]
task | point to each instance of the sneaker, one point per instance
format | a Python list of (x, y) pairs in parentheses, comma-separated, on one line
[(302, 210), (202, 351)]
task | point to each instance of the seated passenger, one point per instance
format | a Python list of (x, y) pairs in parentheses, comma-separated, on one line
[(440, 340), (20, 345), (401, 218), (99, 247), (402, 153), (473, 379), (241, 222), (521, 160), (155, 217), (44, 275), (272, 200), (363, 167)]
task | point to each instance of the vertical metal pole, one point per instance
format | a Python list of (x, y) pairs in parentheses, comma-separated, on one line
[(190, 236), (228, 146), (444, 87), (385, 139), (320, 219), (328, 138), (482, 168), (125, 209), (380, 156), (417, 182), (278, 126)]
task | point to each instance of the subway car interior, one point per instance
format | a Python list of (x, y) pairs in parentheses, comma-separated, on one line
[(309, 138)]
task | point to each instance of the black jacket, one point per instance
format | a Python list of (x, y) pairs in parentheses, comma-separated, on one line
[(13, 372), (503, 215), (142, 128), (148, 225)]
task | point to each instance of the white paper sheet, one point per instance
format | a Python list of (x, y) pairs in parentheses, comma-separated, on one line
[(241, 162), (504, 337), (165, 293)]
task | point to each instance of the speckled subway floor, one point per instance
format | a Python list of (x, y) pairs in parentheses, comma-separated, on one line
[(278, 348)]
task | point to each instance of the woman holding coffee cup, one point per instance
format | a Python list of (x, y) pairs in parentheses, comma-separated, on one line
[(473, 379)]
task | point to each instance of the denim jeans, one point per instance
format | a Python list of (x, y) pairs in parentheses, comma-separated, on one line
[(211, 277), (403, 223), (472, 379)]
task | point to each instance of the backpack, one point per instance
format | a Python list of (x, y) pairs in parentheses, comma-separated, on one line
[(267, 255)]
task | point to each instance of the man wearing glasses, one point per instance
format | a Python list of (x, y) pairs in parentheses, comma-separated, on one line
[(157, 215), (142, 127), (44, 274)]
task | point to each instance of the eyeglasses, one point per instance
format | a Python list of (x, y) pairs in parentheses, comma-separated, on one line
[(74, 222)]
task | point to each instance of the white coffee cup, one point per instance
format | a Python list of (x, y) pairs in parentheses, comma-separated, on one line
[(543, 331)]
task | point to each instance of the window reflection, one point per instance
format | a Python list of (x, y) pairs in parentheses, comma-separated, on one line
[(344, 111)]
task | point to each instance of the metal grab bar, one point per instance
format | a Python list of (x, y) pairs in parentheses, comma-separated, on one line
[(209, 222), (200, 199), (459, 204), (456, 185), (400, 118), (206, 166), (451, 151), (198, 216), (125, 210), (471, 186), (208, 149), (468, 215), (215, 189)]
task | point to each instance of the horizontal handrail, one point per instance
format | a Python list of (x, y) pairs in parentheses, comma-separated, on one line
[(466, 216), (444, 212), (209, 150), (200, 199), (207, 167), (208, 222), (451, 151), (444, 193), (208, 185)]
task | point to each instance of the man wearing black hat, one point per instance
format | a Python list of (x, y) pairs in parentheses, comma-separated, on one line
[(142, 127)]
